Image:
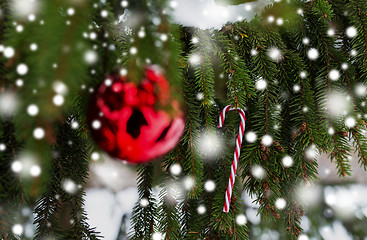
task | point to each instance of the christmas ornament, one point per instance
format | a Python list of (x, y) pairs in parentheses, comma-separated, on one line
[(132, 122), (237, 151)]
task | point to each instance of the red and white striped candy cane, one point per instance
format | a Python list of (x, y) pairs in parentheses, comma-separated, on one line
[(228, 195)]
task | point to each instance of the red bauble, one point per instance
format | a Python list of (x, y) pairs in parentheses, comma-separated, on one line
[(136, 123)]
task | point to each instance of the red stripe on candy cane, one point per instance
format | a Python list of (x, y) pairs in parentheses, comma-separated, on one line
[(237, 151)]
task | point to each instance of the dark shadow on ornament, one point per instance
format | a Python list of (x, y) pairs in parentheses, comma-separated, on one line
[(164, 133), (135, 122)]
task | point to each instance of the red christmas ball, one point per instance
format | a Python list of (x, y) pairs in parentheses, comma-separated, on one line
[(132, 122)]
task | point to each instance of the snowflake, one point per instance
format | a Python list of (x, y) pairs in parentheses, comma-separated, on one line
[(313, 53), (209, 186)]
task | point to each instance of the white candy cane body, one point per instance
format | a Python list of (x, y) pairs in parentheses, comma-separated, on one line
[(237, 151)]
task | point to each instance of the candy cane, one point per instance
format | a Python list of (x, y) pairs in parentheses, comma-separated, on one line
[(228, 195)]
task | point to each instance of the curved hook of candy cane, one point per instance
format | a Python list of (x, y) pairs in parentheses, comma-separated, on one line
[(241, 131)]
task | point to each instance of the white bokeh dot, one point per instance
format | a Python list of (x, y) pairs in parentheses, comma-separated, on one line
[(133, 50), (157, 236), (58, 100), (280, 203), (31, 17), (38, 133), (209, 186), (312, 53), (305, 41), (287, 161), (35, 171), (195, 59), (96, 124), (144, 202), (59, 87), (334, 74), (22, 69), (275, 54), (74, 124), (163, 37), (16, 166), (261, 84), (241, 219), (175, 169), (361, 90), (104, 13), (188, 183), (350, 122), (70, 11), (344, 66), (331, 131), (267, 140), (93, 36), (195, 40), (124, 3), (32, 110), (95, 156), (258, 172), (271, 19), (199, 96), (251, 136), (280, 21), (253, 52), (17, 229), (90, 57), (69, 186), (303, 74), (201, 209), (108, 82), (123, 72), (296, 88), (331, 32), (19, 28), (8, 52), (2, 147), (353, 52), (351, 32), (19, 82), (33, 46)]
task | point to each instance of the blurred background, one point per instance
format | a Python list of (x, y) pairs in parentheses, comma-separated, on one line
[(336, 208)]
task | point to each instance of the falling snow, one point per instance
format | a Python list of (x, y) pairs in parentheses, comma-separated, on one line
[(241, 219), (280, 203), (350, 122), (261, 84), (90, 57), (287, 161), (17, 229), (351, 32), (201, 209), (32, 110), (38, 133), (251, 136), (144, 202), (267, 140), (258, 172), (175, 169), (334, 75), (313, 53), (275, 54), (8, 103), (209, 186), (22, 69), (69, 186)]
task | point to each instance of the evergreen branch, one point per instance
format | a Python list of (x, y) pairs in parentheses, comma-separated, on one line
[(144, 216)]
